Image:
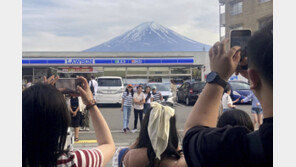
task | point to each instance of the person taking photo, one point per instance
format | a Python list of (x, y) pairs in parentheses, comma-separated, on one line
[(206, 145)]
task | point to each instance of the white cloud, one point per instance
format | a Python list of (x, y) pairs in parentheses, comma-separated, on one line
[(80, 24)]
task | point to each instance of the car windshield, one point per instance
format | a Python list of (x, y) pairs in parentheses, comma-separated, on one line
[(109, 82), (198, 86), (239, 85), (178, 81), (160, 87)]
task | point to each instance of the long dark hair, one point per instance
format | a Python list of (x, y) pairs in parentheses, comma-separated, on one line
[(149, 93), (127, 92), (235, 117), (45, 120), (144, 141)]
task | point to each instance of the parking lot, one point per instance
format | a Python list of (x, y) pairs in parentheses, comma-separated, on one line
[(113, 116)]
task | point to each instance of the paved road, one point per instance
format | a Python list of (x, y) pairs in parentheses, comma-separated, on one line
[(113, 116)]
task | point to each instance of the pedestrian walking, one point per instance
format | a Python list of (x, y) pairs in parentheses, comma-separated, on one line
[(256, 109), (173, 90), (139, 101), (126, 106), (148, 99), (157, 97), (93, 84)]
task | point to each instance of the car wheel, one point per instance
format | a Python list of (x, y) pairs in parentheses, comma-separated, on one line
[(187, 101)]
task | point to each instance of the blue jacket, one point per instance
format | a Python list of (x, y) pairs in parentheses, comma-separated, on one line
[(254, 99)]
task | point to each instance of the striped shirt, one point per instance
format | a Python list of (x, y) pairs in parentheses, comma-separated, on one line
[(156, 97), (128, 100), (81, 158)]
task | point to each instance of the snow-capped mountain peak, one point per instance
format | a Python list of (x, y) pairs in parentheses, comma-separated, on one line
[(149, 37)]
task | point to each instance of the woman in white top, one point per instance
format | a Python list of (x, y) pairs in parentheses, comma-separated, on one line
[(45, 121), (139, 101), (227, 102)]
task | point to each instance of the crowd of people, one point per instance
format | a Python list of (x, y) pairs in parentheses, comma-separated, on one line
[(208, 141), (140, 101)]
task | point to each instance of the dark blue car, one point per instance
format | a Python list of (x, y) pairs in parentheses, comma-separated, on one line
[(239, 89)]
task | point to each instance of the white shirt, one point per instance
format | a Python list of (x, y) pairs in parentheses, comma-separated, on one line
[(95, 84), (226, 99), (148, 101), (139, 97)]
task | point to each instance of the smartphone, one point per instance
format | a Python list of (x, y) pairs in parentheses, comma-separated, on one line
[(240, 38), (68, 85)]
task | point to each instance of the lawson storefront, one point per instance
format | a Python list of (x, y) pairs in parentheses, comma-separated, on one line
[(132, 67)]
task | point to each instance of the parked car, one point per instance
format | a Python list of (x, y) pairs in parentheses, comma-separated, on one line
[(110, 90), (178, 82), (240, 89), (164, 89), (189, 91)]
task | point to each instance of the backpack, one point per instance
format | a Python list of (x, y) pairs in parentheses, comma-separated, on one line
[(92, 88)]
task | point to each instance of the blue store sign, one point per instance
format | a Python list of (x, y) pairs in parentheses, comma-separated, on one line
[(80, 61), (104, 61)]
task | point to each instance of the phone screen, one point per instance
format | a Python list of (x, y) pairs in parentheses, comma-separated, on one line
[(240, 38), (68, 85)]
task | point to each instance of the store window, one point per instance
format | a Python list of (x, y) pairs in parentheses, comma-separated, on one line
[(137, 70), (158, 70), (155, 79), (263, 1), (114, 71), (196, 73), (236, 7), (180, 70)]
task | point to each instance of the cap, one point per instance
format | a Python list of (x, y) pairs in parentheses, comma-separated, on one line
[(153, 87), (129, 85)]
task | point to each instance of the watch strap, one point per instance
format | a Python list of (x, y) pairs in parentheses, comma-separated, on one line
[(220, 82)]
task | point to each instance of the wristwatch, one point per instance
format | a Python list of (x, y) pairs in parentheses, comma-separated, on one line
[(214, 78)]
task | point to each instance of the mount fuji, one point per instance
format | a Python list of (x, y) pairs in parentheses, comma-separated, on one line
[(149, 37)]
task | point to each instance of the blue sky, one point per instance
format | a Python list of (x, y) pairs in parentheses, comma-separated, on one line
[(64, 25)]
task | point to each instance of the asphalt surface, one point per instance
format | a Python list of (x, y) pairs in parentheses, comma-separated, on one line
[(114, 118)]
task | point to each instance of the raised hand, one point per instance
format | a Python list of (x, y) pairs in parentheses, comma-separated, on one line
[(85, 92), (51, 80), (222, 62)]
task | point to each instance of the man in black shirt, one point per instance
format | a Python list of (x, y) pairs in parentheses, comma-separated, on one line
[(206, 145)]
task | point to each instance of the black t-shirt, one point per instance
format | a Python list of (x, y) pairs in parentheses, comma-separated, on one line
[(74, 103), (227, 146)]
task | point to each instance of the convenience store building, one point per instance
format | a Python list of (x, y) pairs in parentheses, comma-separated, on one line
[(132, 67)]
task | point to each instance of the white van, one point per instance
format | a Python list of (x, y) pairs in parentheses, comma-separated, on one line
[(110, 90)]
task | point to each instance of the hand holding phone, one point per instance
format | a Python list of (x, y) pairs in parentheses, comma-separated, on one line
[(240, 38), (68, 85)]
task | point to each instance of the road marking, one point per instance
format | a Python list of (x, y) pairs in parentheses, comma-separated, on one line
[(85, 141)]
